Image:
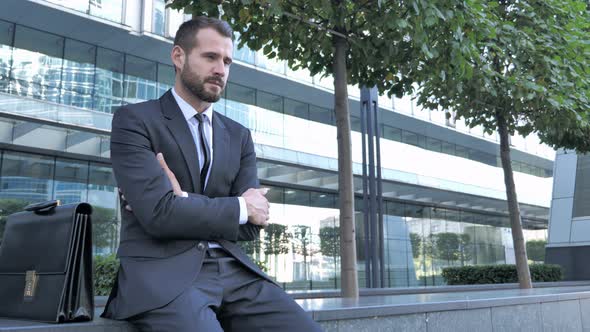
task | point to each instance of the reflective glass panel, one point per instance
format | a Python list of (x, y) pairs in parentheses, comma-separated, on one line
[(159, 17), (108, 91), (140, 80), (166, 78), (269, 101), (6, 35), (26, 177), (78, 74), (71, 177), (36, 64), (110, 9), (102, 194), (296, 108)]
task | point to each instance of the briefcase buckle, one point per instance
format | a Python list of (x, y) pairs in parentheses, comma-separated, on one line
[(31, 279)]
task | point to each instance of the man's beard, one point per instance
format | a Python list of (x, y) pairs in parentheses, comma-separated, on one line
[(196, 85)]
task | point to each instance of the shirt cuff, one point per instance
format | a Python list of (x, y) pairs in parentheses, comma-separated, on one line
[(184, 194), (243, 211)]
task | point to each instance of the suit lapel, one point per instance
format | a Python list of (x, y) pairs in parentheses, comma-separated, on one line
[(220, 150), (179, 129)]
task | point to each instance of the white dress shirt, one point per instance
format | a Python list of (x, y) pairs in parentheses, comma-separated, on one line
[(189, 115)]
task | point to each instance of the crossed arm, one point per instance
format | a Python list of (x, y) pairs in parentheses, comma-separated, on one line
[(256, 202), (156, 207)]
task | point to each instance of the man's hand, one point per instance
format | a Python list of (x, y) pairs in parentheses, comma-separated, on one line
[(171, 177), (257, 206)]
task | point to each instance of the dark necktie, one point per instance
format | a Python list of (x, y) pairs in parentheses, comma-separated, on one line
[(205, 149)]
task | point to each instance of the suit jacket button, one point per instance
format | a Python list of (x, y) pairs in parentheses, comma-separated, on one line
[(201, 246)]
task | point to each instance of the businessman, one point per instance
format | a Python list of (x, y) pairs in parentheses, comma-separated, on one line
[(181, 269)]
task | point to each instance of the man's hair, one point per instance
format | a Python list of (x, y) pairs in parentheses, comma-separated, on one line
[(187, 32)]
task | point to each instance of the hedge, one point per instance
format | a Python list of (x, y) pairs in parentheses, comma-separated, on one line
[(105, 270), (499, 274)]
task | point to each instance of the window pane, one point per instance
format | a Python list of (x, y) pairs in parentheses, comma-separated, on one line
[(70, 181), (320, 114), (109, 9), (37, 64), (297, 197), (269, 101), (102, 194), (243, 54), (355, 123), (433, 144), (241, 93), (108, 91), (6, 34), (39, 42), (159, 24), (392, 133), (275, 194), (410, 138), (140, 79), (448, 148), (78, 74), (324, 200), (582, 191), (166, 78), (296, 108), (26, 177)]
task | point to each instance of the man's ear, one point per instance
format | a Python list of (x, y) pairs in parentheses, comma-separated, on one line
[(177, 56)]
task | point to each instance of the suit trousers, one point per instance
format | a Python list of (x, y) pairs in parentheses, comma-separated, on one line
[(227, 296)]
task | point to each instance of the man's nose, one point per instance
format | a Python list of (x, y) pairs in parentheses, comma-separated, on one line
[(219, 68)]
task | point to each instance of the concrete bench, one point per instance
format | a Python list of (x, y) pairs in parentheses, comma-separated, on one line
[(464, 308)]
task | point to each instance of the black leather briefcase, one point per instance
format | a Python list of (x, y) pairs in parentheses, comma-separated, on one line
[(46, 264)]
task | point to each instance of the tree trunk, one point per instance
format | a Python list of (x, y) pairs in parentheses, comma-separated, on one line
[(522, 266), (348, 271)]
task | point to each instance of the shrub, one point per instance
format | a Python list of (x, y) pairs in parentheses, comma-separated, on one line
[(498, 274), (105, 271)]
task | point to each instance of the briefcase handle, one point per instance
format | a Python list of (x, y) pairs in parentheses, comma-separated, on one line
[(42, 206)]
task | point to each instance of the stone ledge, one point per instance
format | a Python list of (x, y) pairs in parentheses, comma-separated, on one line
[(454, 311)]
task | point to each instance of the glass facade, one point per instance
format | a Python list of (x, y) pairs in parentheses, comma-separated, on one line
[(66, 71), (300, 249), (27, 178), (111, 10), (582, 190), (159, 17)]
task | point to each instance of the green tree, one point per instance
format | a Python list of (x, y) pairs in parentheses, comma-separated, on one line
[(515, 67), (303, 245), (446, 246), (276, 241), (104, 228), (536, 250), (330, 241), (369, 43), (465, 248), (452, 247), (416, 243), (252, 248)]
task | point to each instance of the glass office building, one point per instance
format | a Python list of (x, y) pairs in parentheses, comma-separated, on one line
[(66, 66)]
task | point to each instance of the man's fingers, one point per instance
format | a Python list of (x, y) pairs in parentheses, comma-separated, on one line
[(263, 191), (162, 161), (128, 208)]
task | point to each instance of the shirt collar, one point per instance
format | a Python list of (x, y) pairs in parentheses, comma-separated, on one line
[(188, 111)]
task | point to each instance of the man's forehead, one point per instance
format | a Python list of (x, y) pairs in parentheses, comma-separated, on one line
[(210, 36)]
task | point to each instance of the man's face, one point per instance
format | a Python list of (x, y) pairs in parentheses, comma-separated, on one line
[(206, 67)]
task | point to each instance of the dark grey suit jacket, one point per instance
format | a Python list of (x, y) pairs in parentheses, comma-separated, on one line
[(163, 239)]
